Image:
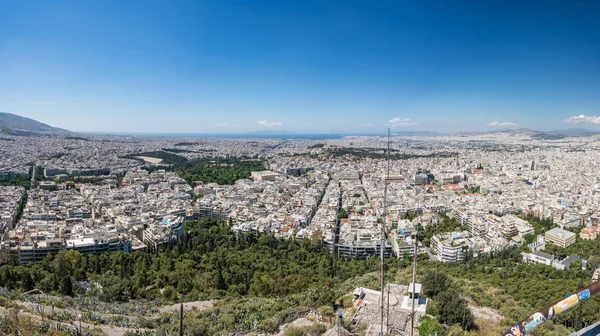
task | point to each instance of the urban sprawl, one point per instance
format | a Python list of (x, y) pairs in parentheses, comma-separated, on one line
[(97, 194)]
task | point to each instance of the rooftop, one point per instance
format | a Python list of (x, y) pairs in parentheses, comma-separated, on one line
[(563, 234)]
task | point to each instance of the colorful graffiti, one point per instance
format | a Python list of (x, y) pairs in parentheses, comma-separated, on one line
[(533, 321), (514, 331), (584, 295), (566, 304), (526, 326)]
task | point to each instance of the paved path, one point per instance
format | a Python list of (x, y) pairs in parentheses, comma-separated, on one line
[(431, 256)]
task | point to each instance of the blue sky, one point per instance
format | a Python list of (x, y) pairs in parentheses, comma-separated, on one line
[(301, 66)]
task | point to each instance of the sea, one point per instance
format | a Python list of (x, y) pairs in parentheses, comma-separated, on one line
[(285, 136)]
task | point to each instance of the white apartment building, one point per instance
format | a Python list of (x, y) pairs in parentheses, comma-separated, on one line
[(450, 247)]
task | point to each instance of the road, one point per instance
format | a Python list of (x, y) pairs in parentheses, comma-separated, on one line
[(431, 255), (33, 174)]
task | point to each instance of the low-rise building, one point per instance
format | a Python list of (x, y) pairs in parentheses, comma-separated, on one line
[(589, 232), (549, 260), (538, 258), (560, 237)]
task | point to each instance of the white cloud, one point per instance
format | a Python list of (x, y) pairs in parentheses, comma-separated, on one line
[(399, 122), (222, 125), (502, 124), (583, 119), (269, 124), (366, 125)]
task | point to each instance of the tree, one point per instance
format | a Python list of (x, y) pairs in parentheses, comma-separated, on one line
[(343, 213), (66, 263), (219, 280), (430, 327), (453, 309), (65, 285), (435, 283), (529, 238)]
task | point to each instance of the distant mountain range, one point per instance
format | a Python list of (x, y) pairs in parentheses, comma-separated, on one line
[(575, 131), (540, 135), (13, 124), (17, 125), (415, 133)]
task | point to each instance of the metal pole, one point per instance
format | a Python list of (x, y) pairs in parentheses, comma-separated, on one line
[(181, 321), (383, 225), (387, 322), (414, 280), (382, 290)]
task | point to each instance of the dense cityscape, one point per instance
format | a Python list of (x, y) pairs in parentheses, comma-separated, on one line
[(449, 198)]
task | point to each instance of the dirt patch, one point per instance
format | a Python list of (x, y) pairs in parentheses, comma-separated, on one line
[(485, 313)]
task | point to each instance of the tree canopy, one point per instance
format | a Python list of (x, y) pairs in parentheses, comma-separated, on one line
[(221, 172)]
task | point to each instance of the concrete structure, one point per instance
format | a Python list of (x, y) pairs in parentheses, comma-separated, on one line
[(11, 204), (538, 258), (549, 260), (559, 237), (450, 247)]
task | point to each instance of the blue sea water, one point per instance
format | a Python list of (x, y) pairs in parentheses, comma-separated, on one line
[(290, 136), (256, 136)]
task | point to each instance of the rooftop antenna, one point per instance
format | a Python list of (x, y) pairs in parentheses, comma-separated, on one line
[(383, 225)]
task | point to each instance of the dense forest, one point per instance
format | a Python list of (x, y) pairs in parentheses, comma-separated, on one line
[(185, 143), (218, 171), (15, 181), (207, 170), (21, 181), (210, 263)]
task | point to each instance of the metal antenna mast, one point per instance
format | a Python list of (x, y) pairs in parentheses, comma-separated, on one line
[(414, 280), (383, 230)]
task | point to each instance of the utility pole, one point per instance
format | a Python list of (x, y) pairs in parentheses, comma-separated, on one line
[(383, 227), (387, 321), (414, 280), (181, 320)]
